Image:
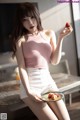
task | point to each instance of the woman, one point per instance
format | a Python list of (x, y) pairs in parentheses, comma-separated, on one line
[(34, 48)]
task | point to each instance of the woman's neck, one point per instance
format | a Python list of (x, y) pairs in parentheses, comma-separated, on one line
[(33, 33)]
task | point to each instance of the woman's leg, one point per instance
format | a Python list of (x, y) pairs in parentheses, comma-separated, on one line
[(40, 109), (58, 107), (60, 110)]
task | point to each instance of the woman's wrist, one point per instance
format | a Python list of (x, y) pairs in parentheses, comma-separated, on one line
[(28, 91), (61, 37)]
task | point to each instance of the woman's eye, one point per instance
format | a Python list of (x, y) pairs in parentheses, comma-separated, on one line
[(25, 20), (32, 17)]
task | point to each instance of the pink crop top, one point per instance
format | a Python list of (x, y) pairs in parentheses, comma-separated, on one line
[(37, 51)]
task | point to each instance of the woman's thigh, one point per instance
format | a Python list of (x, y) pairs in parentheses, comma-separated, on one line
[(60, 110), (40, 109)]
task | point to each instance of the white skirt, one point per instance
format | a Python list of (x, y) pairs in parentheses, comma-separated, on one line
[(40, 82)]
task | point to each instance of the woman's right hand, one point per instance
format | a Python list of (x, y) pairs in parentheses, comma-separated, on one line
[(34, 96), (66, 30)]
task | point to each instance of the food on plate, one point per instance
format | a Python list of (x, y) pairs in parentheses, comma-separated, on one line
[(67, 25), (53, 96)]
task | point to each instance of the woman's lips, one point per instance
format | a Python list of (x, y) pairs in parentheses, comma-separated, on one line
[(31, 27)]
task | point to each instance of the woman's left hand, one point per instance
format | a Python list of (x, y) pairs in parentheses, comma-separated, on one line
[(66, 30), (35, 97)]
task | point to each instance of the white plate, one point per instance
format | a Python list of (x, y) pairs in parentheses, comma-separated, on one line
[(45, 96)]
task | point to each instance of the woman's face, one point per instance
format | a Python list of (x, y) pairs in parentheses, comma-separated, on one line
[(30, 24)]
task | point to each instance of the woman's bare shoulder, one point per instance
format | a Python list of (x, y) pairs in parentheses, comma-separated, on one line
[(49, 32), (20, 41)]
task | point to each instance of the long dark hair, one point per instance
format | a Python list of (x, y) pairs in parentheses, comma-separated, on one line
[(23, 10)]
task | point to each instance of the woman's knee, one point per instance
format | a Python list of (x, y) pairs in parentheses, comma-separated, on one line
[(42, 111)]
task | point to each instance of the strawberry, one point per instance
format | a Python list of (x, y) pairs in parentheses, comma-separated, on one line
[(54, 97), (50, 95), (67, 25)]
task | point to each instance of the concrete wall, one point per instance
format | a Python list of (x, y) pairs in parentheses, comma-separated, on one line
[(54, 15)]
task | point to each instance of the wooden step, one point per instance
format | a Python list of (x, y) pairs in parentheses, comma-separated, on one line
[(7, 72), (9, 86), (9, 95)]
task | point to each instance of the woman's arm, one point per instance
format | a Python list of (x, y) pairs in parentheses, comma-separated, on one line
[(57, 48), (21, 65), (23, 72)]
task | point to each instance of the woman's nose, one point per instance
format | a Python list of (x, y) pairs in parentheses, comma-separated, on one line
[(30, 21)]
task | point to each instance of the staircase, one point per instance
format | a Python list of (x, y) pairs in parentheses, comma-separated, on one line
[(8, 83), (9, 87)]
